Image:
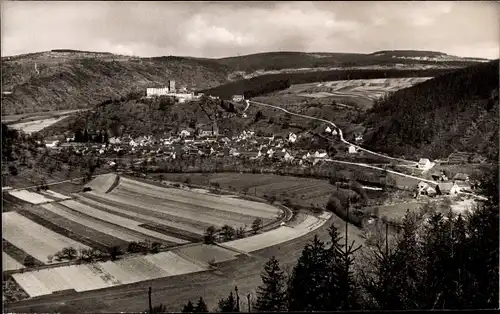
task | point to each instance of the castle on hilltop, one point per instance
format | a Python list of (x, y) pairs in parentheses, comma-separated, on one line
[(170, 90)]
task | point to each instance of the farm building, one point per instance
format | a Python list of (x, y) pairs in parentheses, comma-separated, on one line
[(425, 189), (441, 176), (424, 164), (334, 132), (447, 188), (351, 149), (328, 130), (292, 138)]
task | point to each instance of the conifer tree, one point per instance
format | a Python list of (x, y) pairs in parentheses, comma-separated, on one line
[(271, 295), (188, 308), (308, 284), (228, 304), (342, 286)]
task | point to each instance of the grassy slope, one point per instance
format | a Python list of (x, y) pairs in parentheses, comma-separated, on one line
[(72, 79), (456, 111)]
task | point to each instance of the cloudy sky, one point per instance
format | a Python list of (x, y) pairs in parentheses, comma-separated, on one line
[(219, 29)]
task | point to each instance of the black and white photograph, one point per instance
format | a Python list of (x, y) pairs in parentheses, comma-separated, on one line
[(249, 156)]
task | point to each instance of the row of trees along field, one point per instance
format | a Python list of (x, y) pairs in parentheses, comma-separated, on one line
[(448, 262)]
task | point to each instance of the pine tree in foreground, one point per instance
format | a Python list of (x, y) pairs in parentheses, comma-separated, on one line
[(228, 304), (188, 308), (342, 285), (308, 285), (271, 295)]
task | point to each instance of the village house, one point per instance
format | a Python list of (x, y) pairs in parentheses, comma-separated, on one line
[(207, 132), (425, 164), (425, 189), (441, 176), (186, 132), (358, 137), (351, 149), (328, 130), (292, 138), (238, 98)]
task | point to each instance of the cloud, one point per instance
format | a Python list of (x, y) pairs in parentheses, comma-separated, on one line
[(218, 29)]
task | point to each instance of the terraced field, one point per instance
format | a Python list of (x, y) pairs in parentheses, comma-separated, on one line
[(115, 212), (361, 92), (134, 269), (305, 192)]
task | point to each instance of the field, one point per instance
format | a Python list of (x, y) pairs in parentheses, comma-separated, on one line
[(279, 235), (33, 238), (172, 263), (361, 92), (104, 274), (302, 192), (243, 272), (30, 197), (36, 125)]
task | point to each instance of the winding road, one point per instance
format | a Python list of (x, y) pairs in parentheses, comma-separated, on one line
[(342, 139), (341, 135)]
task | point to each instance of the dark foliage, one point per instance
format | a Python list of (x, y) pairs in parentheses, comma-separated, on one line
[(271, 295), (228, 305), (454, 111)]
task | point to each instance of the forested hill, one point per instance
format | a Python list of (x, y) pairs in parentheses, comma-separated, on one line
[(454, 111)]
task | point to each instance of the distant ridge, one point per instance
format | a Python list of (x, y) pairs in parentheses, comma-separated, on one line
[(73, 79)]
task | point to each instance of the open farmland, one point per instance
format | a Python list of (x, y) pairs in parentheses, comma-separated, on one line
[(33, 238), (279, 235), (244, 272), (37, 125), (118, 211), (361, 92), (141, 268), (30, 197), (105, 274), (183, 207), (9, 263), (303, 192)]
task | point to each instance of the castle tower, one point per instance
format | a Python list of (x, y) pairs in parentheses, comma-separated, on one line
[(171, 86)]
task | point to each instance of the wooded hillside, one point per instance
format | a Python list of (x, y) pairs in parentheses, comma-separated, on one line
[(453, 112)]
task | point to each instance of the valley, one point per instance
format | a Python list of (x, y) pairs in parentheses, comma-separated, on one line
[(196, 195)]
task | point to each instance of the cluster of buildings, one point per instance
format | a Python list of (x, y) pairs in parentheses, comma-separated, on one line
[(458, 184), (202, 142)]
